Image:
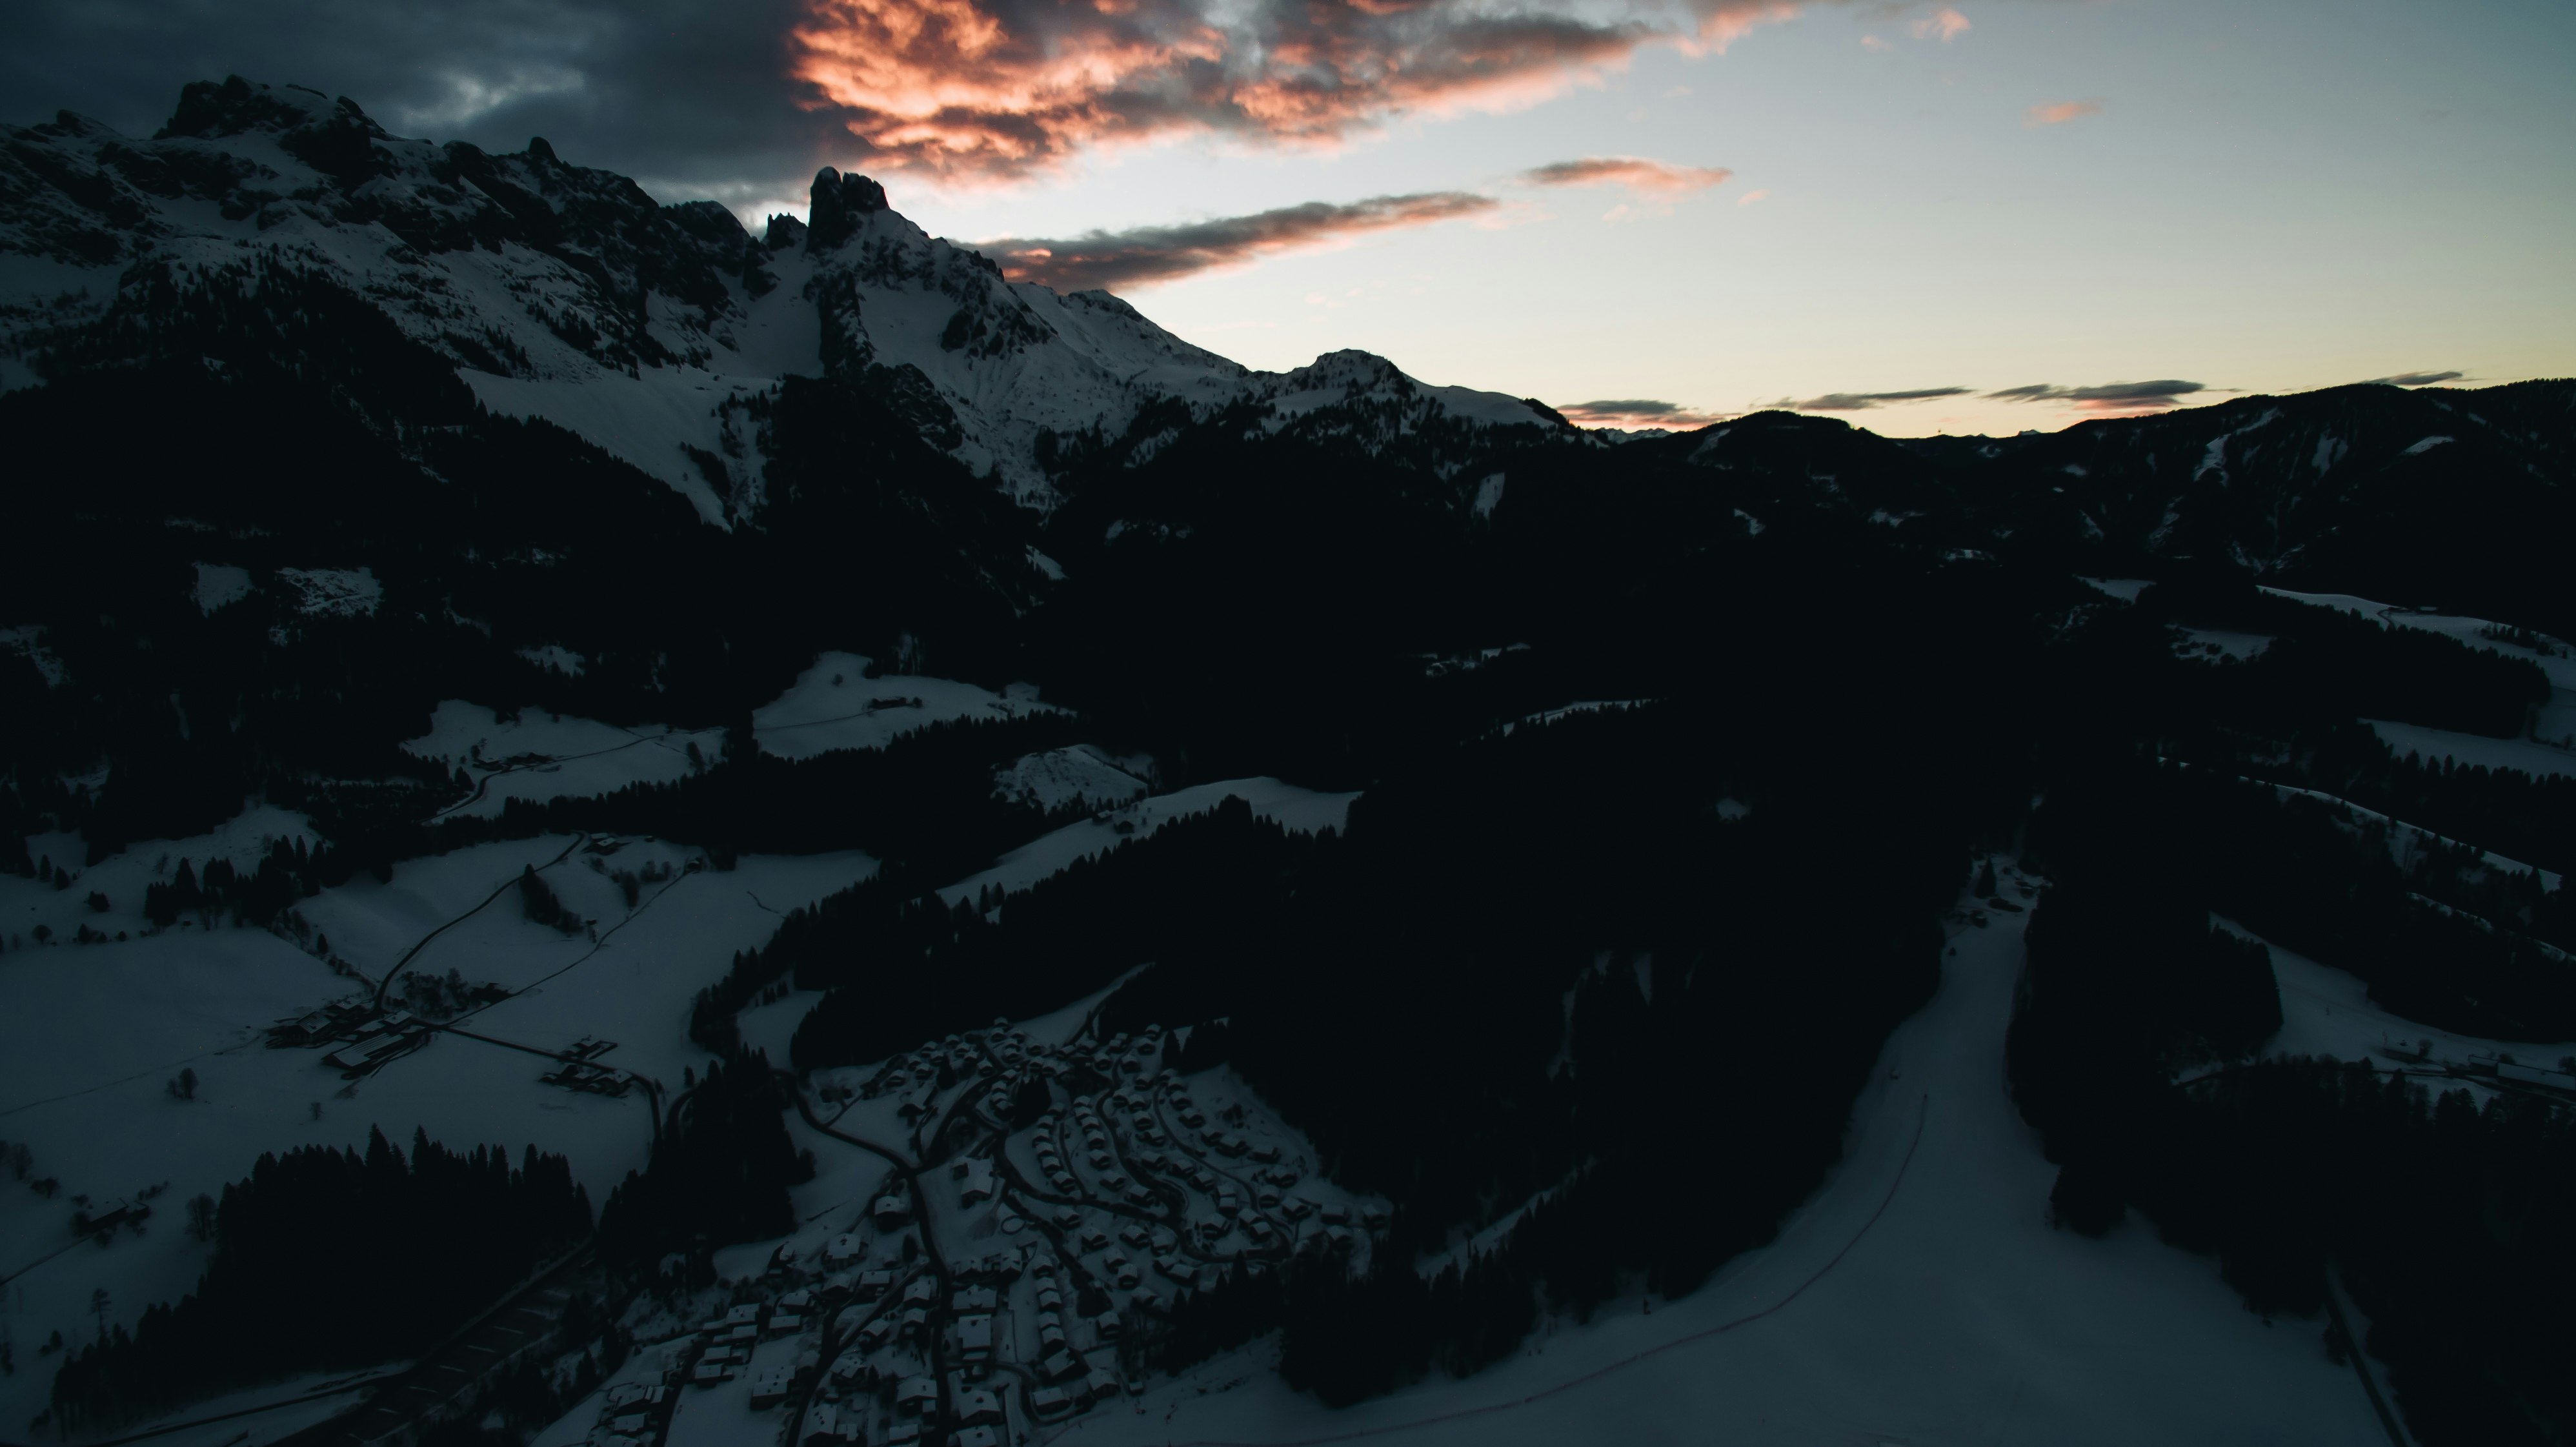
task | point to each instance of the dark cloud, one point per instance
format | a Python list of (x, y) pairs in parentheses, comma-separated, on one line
[(1863, 401), (1633, 412), (1633, 172), (2107, 397), (1165, 253), (690, 97), (742, 99), (2414, 379)]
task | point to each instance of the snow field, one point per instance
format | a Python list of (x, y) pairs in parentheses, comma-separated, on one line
[(1920, 1298), (835, 705), (89, 1036), (1059, 776), (539, 756), (243, 839)]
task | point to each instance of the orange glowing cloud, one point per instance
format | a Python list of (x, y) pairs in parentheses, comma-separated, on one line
[(2059, 112), (1634, 413), (993, 89)]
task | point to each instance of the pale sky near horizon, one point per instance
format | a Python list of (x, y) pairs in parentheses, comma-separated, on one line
[(2047, 195)]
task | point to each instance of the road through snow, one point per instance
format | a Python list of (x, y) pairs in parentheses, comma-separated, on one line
[(1959, 1316)]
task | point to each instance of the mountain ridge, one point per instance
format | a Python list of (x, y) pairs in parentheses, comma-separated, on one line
[(534, 276)]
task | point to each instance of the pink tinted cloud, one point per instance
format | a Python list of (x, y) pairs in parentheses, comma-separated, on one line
[(1634, 172), (2059, 112), (1145, 255), (1637, 412), (995, 89), (1945, 24)]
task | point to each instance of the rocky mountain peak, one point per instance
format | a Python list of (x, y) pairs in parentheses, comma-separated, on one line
[(838, 204)]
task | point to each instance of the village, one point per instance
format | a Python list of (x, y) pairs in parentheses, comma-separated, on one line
[(1049, 1206)]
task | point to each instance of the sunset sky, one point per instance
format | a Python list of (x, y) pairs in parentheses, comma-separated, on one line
[(1985, 216)]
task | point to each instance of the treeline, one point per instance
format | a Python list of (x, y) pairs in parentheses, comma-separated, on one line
[(331, 1259), (719, 1172), (2433, 1212), (2324, 661), (2516, 814), (289, 871), (2440, 936), (903, 967), (924, 801)]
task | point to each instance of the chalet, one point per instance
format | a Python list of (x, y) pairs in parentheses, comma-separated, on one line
[(843, 1249), (892, 1211), (914, 1321), (975, 1337), (1050, 1299), (1068, 1219), (976, 1437), (1373, 1217), (1335, 1215), (1059, 1364), (903, 1433), (850, 1366), (915, 1394), (709, 1373), (1267, 1155), (1049, 1403), (920, 1291), (874, 1334), (976, 1174), (1107, 1325), (1227, 1203), (1103, 1383), (873, 1284), (376, 1050), (770, 1386), (1135, 1235), (977, 1408), (1050, 1332), (1095, 1239), (976, 1298), (825, 1426), (786, 1323)]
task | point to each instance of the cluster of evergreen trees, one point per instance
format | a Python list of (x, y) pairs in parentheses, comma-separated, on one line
[(289, 871), (333, 1258), (2323, 661), (719, 1172), (2433, 1211), (2440, 935), (903, 967)]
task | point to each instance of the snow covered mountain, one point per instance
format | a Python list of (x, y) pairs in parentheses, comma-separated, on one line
[(656, 331)]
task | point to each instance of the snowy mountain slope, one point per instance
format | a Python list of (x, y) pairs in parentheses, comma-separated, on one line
[(567, 293)]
